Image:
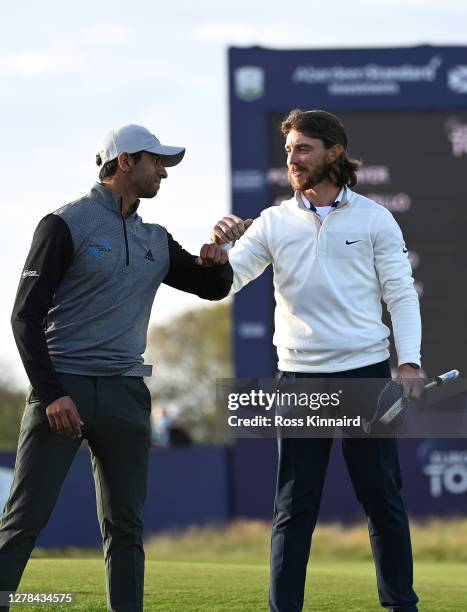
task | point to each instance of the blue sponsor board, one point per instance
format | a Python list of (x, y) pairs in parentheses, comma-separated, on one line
[(388, 99), (434, 474), (405, 110), (204, 486), (186, 486)]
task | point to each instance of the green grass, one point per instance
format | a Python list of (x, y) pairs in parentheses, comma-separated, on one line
[(248, 542), (226, 569), (177, 586)]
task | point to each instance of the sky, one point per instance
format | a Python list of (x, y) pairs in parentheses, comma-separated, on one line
[(70, 71)]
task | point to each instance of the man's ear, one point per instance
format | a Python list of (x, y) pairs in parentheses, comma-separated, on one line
[(335, 152), (125, 162)]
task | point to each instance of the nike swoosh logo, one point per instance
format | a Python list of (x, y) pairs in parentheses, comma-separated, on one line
[(405, 250), (352, 241)]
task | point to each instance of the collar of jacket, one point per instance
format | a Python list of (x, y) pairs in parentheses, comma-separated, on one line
[(111, 200), (345, 200)]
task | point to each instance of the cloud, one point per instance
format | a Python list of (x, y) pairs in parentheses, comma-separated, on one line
[(220, 32), (270, 34), (39, 64), (65, 53), (95, 36), (81, 50), (103, 33), (90, 53), (375, 28)]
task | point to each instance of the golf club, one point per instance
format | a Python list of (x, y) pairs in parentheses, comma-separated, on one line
[(392, 403)]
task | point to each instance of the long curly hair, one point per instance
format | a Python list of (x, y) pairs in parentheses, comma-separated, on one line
[(328, 128)]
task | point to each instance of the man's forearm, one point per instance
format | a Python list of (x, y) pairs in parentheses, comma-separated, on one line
[(209, 283), (32, 347), (407, 330)]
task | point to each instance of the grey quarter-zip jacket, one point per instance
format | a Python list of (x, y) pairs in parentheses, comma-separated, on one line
[(87, 288)]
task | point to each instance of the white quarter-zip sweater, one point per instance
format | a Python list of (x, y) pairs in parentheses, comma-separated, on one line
[(329, 279)]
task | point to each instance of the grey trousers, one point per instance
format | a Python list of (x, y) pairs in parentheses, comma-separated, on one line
[(116, 415)]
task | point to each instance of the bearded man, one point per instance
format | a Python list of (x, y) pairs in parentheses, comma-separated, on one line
[(335, 255)]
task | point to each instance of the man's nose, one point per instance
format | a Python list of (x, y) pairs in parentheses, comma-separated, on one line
[(162, 172), (292, 160)]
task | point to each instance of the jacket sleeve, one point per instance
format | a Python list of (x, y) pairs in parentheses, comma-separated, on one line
[(49, 256), (397, 287), (208, 283), (250, 255)]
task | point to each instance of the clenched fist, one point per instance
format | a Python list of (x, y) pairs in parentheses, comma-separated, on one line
[(212, 255), (229, 228)]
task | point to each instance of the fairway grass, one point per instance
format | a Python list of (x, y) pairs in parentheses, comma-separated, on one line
[(199, 586)]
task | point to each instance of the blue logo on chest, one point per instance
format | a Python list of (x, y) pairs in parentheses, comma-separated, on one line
[(100, 247)]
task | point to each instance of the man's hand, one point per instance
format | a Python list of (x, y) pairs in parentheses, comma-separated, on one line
[(212, 255), (229, 228), (412, 379), (64, 417)]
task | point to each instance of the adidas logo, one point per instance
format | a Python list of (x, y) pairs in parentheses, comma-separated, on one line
[(149, 256)]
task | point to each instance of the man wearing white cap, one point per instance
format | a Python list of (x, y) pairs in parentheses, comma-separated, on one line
[(80, 322)]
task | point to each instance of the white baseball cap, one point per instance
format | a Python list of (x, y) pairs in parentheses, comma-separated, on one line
[(133, 138)]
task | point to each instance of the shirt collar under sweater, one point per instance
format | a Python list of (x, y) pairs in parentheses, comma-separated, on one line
[(341, 196)]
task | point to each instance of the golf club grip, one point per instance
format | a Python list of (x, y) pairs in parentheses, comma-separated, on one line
[(442, 379)]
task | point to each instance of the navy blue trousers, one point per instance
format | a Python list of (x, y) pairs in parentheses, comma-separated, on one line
[(373, 466)]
